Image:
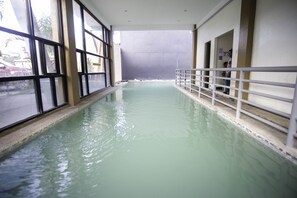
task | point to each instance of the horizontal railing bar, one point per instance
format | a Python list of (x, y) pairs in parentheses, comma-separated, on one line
[(268, 96), (249, 69), (222, 94), (224, 103), (270, 83), (205, 95), (272, 124), (267, 109)]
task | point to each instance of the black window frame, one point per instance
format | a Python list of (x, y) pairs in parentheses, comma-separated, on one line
[(37, 76), (84, 73)]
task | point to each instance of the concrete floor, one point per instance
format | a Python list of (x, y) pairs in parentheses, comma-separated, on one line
[(267, 135)]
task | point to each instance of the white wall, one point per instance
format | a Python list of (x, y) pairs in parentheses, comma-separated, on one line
[(117, 62), (224, 21), (274, 44), (90, 6)]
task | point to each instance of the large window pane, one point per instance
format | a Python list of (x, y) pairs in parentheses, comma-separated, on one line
[(14, 15), (94, 45), (15, 57), (77, 26), (46, 93), (95, 64), (92, 25), (96, 82), (45, 18), (17, 101), (60, 91)]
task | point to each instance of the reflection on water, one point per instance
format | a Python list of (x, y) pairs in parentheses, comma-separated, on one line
[(146, 140)]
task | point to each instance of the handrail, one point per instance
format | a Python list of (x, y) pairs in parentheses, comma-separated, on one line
[(196, 81)]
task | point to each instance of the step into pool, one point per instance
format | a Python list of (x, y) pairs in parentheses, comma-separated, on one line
[(146, 140)]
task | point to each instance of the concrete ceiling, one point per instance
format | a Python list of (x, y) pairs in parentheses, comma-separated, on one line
[(155, 14)]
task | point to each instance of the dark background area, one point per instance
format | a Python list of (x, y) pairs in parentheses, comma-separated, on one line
[(148, 55)]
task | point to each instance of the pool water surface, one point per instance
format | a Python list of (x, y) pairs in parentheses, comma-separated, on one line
[(146, 140)]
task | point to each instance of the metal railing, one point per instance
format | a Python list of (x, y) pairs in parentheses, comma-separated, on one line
[(249, 93)]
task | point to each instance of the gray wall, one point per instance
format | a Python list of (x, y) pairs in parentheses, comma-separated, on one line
[(155, 54)]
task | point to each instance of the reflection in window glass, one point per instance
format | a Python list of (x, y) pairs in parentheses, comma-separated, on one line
[(94, 45), (96, 82), (77, 26), (106, 51), (107, 72), (95, 64), (14, 15), (17, 101), (38, 58), (84, 83), (61, 59), (60, 91), (15, 57), (45, 19), (46, 93), (92, 25), (50, 59), (78, 60)]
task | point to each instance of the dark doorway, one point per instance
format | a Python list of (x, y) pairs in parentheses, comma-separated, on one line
[(206, 63)]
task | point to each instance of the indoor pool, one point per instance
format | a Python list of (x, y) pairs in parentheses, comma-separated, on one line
[(146, 140)]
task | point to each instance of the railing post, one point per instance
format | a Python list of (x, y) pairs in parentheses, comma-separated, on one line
[(190, 81), (239, 95), (200, 83), (293, 120), (185, 78), (213, 87)]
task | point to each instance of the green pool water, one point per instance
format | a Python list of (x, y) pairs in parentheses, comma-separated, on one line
[(146, 140)]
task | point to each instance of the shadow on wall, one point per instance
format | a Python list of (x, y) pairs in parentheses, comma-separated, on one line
[(150, 55)]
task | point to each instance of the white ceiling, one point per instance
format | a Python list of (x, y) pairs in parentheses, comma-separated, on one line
[(154, 14)]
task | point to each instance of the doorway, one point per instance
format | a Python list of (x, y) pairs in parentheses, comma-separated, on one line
[(207, 47), (224, 43)]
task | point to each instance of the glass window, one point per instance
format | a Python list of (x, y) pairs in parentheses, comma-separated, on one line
[(77, 26), (50, 59), (84, 84), (95, 64), (92, 25), (107, 72), (46, 94), (45, 19), (96, 82), (17, 101), (61, 60), (79, 62), (14, 15), (106, 51), (60, 91), (94, 45), (15, 57)]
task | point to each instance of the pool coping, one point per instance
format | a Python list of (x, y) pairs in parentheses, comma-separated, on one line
[(249, 128), (15, 137)]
